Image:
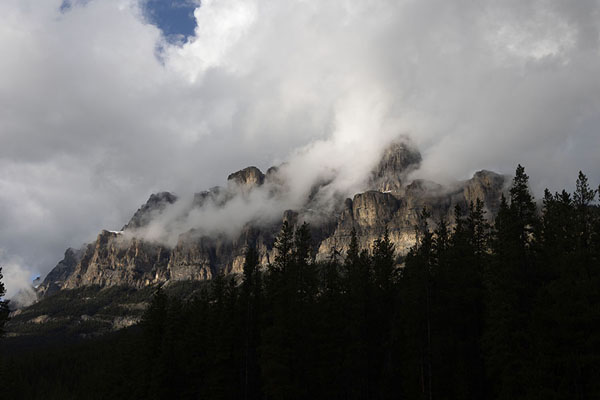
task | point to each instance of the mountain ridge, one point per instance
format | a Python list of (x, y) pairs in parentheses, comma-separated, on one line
[(390, 200)]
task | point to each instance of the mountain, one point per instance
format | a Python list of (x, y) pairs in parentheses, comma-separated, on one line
[(129, 257)]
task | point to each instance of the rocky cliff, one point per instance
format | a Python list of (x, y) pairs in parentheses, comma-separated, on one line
[(392, 201)]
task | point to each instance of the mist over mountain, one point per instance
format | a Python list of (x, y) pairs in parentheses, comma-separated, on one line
[(171, 239)]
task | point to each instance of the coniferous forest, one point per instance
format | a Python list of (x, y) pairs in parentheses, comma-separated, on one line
[(478, 310)]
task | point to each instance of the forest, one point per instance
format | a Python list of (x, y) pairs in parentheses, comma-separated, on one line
[(478, 309)]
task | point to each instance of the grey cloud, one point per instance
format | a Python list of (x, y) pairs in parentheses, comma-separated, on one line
[(91, 121)]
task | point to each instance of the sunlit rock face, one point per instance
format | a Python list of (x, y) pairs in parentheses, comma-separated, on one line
[(485, 185), (110, 261), (247, 179), (391, 201)]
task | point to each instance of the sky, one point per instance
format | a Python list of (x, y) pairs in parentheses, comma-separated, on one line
[(103, 102)]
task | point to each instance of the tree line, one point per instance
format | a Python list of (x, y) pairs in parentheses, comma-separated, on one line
[(502, 310)]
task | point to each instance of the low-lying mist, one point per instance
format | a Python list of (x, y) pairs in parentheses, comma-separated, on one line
[(315, 181)]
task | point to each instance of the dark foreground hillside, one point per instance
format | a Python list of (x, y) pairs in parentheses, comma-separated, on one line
[(71, 315), (509, 311)]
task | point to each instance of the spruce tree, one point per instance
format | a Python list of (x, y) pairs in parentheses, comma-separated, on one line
[(384, 263), (284, 246), (291, 287), (583, 198), (357, 305), (154, 323), (584, 195), (512, 281), (4, 311), (275, 333), (417, 312), (565, 316), (251, 299), (384, 284), (330, 334)]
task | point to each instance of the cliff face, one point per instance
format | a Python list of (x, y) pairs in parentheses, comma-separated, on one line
[(248, 178), (56, 278), (110, 261), (370, 212), (118, 258)]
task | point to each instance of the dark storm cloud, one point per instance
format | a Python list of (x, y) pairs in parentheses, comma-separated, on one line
[(92, 122)]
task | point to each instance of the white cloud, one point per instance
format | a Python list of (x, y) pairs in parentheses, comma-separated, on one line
[(16, 279)]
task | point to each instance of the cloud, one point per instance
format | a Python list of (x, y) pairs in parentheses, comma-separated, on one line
[(16, 280), (98, 109)]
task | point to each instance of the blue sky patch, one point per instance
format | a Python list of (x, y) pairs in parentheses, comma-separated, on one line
[(67, 4), (175, 18)]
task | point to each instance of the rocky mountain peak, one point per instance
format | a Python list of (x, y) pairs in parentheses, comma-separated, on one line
[(155, 204), (397, 160), (215, 194), (247, 178), (487, 186), (63, 270)]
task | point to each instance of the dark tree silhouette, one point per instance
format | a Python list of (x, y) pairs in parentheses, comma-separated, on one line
[(475, 310), (4, 311)]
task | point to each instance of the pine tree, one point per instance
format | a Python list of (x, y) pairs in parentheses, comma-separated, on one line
[(417, 312), (512, 281), (225, 350), (385, 279), (291, 287), (523, 209), (595, 236), (357, 283), (330, 333), (384, 263), (250, 300), (465, 319), (557, 233), (565, 315), (4, 311), (353, 249), (154, 323), (275, 345), (478, 230), (305, 274), (442, 242), (583, 198), (284, 245), (584, 195)]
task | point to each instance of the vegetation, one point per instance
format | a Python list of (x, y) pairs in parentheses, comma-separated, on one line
[(74, 314), (509, 310)]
